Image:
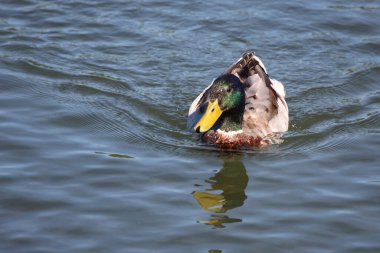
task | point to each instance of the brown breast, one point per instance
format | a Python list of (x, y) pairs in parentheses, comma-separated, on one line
[(232, 141)]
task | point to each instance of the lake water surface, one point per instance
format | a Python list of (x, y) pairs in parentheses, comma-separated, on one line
[(94, 151)]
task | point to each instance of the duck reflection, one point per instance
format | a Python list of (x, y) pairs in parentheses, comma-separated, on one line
[(226, 191)]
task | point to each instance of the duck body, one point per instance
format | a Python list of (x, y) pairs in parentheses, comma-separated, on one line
[(241, 108)]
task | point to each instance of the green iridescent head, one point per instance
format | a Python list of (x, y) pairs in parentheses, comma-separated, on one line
[(226, 102)]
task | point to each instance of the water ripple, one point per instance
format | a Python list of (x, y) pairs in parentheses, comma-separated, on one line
[(93, 127)]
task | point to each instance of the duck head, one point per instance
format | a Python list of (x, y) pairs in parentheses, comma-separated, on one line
[(225, 102)]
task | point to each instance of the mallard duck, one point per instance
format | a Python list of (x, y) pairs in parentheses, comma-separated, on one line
[(241, 108)]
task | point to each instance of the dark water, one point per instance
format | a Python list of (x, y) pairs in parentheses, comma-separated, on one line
[(94, 152)]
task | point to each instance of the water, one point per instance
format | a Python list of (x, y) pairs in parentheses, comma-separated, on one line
[(94, 152)]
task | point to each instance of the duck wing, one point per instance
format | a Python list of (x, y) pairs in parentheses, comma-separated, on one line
[(266, 111)]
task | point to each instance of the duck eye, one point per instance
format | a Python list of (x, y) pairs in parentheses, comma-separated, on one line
[(229, 89)]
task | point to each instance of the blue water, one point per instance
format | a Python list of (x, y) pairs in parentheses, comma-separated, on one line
[(94, 151)]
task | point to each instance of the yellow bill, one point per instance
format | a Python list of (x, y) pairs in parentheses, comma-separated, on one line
[(209, 118), (210, 202)]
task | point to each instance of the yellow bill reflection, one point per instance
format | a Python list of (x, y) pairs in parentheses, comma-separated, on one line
[(226, 191)]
